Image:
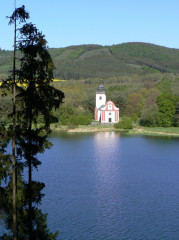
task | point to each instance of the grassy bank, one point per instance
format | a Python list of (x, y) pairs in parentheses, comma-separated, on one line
[(151, 131), (156, 131)]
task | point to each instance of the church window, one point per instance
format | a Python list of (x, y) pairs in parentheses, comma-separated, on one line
[(100, 98), (110, 113)]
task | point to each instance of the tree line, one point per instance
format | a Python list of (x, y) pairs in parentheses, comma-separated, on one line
[(95, 61)]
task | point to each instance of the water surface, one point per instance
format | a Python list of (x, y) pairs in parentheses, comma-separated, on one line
[(103, 186)]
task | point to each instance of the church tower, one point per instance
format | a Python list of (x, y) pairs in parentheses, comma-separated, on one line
[(100, 96), (100, 102)]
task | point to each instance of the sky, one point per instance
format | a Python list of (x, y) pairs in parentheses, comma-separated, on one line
[(103, 22)]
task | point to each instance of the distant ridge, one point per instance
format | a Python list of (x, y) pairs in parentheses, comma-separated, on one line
[(88, 61)]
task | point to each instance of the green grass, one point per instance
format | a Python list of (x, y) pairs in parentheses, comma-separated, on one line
[(174, 130), (156, 131)]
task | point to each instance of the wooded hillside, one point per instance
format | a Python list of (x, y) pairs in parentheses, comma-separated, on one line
[(95, 61)]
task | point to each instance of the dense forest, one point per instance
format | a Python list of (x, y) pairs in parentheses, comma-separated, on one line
[(95, 61)]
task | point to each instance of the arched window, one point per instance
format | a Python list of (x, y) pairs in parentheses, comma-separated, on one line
[(100, 98)]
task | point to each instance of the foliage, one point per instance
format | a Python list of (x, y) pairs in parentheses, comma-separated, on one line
[(135, 104), (81, 119), (73, 116), (118, 94), (37, 98), (176, 118), (149, 69), (164, 86), (151, 97), (125, 123), (84, 61), (65, 113), (166, 104), (150, 116), (80, 96), (29, 193), (5, 109), (5, 157)]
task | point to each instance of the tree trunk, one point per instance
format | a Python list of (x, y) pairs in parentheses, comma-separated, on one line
[(14, 180), (30, 176)]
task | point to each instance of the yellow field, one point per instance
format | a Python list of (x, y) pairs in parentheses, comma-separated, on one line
[(58, 80), (54, 80)]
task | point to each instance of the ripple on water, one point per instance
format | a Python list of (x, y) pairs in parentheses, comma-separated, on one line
[(106, 187)]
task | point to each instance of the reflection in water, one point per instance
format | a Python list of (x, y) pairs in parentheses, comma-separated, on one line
[(107, 147), (113, 136), (103, 186), (107, 163)]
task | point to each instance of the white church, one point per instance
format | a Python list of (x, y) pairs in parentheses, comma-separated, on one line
[(105, 112)]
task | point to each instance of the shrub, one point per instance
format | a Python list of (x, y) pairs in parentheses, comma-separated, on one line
[(81, 119), (125, 123), (65, 113)]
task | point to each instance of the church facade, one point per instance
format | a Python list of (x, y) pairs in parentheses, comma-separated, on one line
[(105, 112)]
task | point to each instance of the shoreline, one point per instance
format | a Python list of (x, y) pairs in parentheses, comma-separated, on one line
[(157, 131)]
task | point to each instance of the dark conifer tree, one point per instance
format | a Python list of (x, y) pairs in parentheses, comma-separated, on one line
[(35, 97)]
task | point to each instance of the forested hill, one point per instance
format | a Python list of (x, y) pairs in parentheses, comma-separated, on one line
[(88, 61)]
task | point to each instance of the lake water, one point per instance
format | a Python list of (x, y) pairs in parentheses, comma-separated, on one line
[(104, 186)]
